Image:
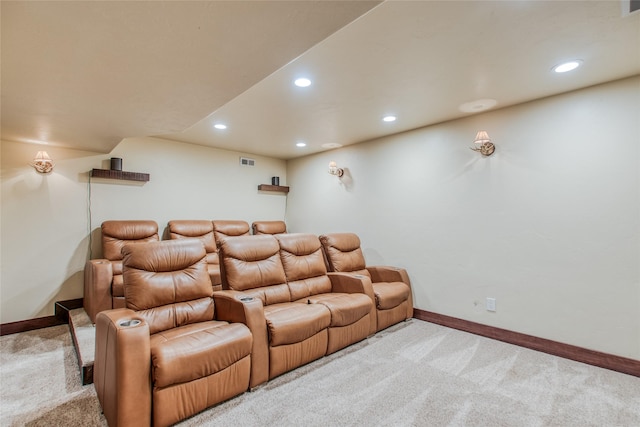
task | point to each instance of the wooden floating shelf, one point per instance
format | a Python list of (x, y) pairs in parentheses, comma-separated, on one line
[(267, 187), (111, 174)]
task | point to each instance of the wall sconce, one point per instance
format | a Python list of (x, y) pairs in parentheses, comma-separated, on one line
[(335, 170), (483, 144), (42, 162)]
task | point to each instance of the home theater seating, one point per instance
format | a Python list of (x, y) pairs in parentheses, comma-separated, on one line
[(103, 286), (269, 227), (202, 230), (297, 313), (165, 357), (393, 299), (222, 229), (180, 345)]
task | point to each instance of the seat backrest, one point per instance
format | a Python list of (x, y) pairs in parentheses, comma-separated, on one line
[(303, 264), (116, 234), (343, 253), (199, 229), (269, 227), (252, 264), (167, 283), (229, 228)]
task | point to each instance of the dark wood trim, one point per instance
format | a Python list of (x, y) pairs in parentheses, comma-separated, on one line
[(29, 325), (86, 370), (568, 351), (62, 308), (267, 187), (60, 317), (87, 374), (111, 174)]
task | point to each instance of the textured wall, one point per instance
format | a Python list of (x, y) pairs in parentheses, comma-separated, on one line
[(46, 218), (549, 225)]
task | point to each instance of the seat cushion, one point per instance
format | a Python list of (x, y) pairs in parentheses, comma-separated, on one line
[(345, 309), (390, 294), (198, 350), (290, 323)]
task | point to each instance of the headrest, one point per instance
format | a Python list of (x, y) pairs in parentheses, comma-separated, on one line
[(115, 234), (269, 227)]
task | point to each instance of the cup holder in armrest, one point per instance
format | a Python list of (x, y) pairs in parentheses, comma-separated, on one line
[(246, 299), (127, 323)]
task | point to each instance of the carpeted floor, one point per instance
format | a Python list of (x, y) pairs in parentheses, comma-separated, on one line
[(412, 374)]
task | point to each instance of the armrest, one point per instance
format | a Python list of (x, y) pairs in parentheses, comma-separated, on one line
[(388, 274), (122, 367), (356, 283), (351, 283), (98, 275), (393, 274), (238, 307)]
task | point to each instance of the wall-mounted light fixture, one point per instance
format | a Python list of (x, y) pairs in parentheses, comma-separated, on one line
[(483, 144), (335, 170), (42, 162)]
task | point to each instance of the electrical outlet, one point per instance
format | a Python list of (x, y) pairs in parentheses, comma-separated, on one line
[(491, 304)]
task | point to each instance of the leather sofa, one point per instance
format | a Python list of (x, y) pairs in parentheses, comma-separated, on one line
[(229, 228), (391, 285), (103, 288), (179, 347), (202, 230), (268, 227), (164, 357), (297, 312)]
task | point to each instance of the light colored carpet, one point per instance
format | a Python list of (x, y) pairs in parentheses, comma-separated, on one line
[(85, 333), (412, 374)]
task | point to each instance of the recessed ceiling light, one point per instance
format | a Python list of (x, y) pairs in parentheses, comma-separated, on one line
[(477, 105), (331, 145), (567, 66), (302, 82), (301, 144), (220, 126), (389, 118)]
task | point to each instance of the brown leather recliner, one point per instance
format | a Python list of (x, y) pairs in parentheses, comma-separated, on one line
[(353, 314), (290, 322), (103, 288), (202, 230), (391, 285), (268, 227), (164, 358), (229, 228)]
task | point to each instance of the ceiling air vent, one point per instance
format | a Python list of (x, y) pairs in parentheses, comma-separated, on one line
[(245, 161)]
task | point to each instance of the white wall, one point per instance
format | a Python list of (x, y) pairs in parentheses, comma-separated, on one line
[(45, 218), (549, 225)]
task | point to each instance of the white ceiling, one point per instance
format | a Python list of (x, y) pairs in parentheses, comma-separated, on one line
[(86, 75)]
